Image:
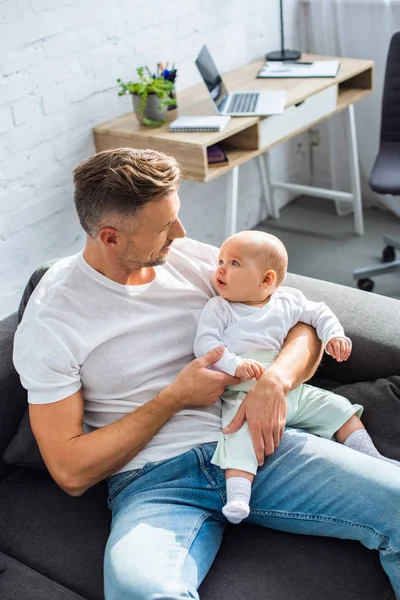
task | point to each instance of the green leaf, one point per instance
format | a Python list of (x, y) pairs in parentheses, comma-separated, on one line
[(146, 85), (151, 123)]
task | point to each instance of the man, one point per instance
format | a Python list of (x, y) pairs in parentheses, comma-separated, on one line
[(105, 350)]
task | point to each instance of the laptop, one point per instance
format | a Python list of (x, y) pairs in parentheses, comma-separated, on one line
[(237, 104)]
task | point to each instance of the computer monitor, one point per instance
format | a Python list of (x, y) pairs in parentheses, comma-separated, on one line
[(212, 78)]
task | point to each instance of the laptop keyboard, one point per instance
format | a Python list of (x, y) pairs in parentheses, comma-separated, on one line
[(243, 103)]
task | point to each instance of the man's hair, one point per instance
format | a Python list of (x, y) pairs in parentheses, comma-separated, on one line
[(120, 182)]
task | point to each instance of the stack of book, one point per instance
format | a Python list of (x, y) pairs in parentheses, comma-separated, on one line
[(216, 157)]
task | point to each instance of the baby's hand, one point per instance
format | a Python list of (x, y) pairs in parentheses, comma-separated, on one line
[(248, 369), (339, 348)]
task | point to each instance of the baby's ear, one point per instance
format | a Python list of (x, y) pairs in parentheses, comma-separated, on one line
[(269, 278)]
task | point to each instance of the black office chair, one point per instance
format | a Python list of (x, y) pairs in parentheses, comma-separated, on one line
[(385, 176)]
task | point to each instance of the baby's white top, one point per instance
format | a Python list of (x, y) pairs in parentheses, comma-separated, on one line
[(242, 328)]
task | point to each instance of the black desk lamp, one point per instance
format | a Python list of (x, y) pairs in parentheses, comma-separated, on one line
[(283, 54)]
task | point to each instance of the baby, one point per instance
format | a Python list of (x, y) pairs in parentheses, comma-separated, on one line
[(251, 317)]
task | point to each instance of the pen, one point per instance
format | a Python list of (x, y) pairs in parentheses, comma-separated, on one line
[(296, 62)]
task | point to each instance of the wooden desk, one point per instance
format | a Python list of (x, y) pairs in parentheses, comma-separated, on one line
[(308, 102)]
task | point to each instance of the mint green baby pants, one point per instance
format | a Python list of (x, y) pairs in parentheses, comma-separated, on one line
[(313, 409)]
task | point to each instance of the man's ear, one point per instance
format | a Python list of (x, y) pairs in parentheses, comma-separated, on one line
[(109, 236), (269, 278)]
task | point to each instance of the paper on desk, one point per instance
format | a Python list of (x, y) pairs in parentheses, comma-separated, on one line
[(318, 68)]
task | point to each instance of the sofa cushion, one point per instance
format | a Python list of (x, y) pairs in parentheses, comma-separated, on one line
[(263, 564), (23, 450), (60, 536), (368, 319), (32, 283), (381, 416), (17, 582), (12, 394)]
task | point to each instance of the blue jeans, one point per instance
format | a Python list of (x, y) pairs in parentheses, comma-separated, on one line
[(167, 524)]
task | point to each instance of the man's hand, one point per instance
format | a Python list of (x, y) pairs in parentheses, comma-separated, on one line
[(339, 348), (249, 369), (264, 409), (196, 385)]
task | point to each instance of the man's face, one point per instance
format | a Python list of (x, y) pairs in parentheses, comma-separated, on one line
[(152, 233)]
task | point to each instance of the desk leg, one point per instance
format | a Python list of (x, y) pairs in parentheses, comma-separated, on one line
[(266, 189), (232, 202), (354, 170)]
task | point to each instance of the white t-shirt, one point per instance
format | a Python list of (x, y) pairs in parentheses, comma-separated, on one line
[(243, 329), (122, 344)]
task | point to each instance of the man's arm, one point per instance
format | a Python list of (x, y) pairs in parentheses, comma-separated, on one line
[(264, 407), (77, 460), (299, 358)]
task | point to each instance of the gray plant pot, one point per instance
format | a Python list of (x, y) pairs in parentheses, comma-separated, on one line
[(151, 110)]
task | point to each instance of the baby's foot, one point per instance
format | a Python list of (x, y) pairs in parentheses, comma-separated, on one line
[(235, 511), (360, 440)]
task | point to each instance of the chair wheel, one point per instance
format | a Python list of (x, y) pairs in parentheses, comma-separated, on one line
[(388, 254), (365, 284)]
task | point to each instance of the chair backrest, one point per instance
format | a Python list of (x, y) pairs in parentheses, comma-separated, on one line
[(390, 120)]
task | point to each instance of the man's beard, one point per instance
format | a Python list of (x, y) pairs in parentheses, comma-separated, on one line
[(130, 264), (156, 262)]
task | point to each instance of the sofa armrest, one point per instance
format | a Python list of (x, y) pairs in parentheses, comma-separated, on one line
[(371, 321)]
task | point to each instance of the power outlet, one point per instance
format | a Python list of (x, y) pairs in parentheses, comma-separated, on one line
[(315, 137), (299, 160)]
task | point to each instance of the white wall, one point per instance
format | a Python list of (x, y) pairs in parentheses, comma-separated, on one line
[(328, 28), (59, 60)]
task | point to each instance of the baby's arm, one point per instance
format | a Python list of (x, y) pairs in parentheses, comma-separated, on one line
[(210, 329), (328, 327)]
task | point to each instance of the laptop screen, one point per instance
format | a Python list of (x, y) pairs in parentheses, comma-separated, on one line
[(212, 78)]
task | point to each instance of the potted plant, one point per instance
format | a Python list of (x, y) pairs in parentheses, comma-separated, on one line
[(151, 97)]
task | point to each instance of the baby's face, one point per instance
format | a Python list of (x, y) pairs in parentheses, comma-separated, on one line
[(240, 272)]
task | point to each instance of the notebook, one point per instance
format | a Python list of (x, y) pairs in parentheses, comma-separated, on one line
[(318, 68), (208, 123)]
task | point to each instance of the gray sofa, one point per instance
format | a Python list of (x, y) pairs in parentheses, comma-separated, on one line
[(51, 544)]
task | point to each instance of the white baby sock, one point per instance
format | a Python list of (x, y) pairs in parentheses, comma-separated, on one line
[(238, 491), (360, 440)]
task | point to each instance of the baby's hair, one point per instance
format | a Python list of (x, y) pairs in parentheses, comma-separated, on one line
[(276, 256)]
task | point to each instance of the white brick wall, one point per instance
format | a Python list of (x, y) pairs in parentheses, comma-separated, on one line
[(59, 60)]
